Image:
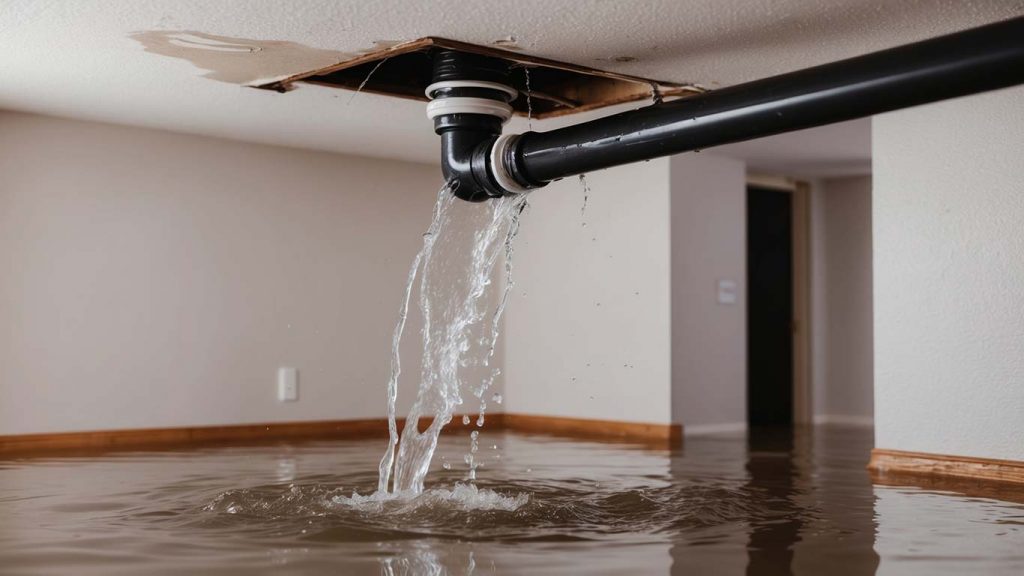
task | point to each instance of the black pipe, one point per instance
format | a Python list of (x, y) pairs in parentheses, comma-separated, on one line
[(977, 60), (464, 136)]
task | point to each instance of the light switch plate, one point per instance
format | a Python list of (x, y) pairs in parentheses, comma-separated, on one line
[(287, 384), (727, 292)]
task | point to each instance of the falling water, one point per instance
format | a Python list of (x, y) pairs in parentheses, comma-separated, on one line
[(460, 249), (365, 81), (444, 198), (586, 195), (529, 101)]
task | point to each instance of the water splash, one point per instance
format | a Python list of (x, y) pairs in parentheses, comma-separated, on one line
[(454, 266), (464, 497)]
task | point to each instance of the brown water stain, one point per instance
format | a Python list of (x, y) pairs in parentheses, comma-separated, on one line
[(241, 60)]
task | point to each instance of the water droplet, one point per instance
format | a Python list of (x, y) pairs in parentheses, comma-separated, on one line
[(586, 195), (447, 465), (496, 398), (465, 420)]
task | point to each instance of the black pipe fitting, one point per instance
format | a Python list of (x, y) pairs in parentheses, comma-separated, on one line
[(466, 138), (464, 146)]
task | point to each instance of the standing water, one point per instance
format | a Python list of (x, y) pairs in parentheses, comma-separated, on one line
[(719, 504)]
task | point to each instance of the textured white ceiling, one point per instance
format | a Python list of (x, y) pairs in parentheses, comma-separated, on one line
[(76, 57)]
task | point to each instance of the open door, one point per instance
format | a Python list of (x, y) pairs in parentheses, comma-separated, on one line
[(777, 362)]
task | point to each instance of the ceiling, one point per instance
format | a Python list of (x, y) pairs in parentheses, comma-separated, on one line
[(79, 58)]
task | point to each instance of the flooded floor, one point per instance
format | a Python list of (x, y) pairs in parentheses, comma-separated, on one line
[(776, 504)]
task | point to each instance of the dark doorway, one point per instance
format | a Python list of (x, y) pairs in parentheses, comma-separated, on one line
[(769, 307)]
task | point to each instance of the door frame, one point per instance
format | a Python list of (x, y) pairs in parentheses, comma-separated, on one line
[(801, 256)]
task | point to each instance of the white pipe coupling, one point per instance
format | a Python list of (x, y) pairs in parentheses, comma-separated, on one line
[(501, 172), (466, 105), (470, 105), (512, 92)]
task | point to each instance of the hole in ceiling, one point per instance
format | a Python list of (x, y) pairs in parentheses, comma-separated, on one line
[(556, 88)]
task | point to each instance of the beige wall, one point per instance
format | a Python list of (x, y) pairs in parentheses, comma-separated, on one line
[(588, 331), (152, 279), (709, 339), (619, 319), (949, 277), (709, 342), (841, 280)]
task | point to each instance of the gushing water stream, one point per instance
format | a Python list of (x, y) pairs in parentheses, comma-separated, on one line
[(454, 267)]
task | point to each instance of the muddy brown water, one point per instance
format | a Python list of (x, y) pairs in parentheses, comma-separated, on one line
[(773, 504)]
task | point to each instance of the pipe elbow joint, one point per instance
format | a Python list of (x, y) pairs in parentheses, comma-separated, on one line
[(470, 100), (482, 165), (464, 164)]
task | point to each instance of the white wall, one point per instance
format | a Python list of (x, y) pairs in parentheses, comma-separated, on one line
[(841, 288), (151, 279), (949, 277), (709, 340), (588, 325)]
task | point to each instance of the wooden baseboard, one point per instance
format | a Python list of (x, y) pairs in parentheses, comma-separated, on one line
[(144, 438), (103, 440), (594, 429), (163, 438), (897, 462)]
